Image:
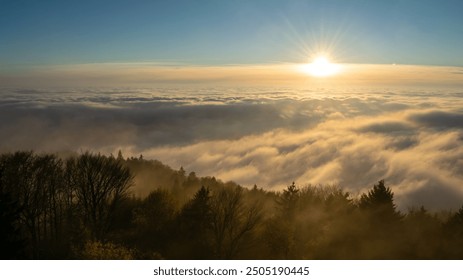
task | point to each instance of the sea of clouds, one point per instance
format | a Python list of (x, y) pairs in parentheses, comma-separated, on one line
[(412, 138)]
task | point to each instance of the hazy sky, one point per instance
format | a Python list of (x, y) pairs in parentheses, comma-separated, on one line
[(424, 32)]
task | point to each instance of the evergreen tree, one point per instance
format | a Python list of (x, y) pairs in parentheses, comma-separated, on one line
[(382, 228), (379, 201), (195, 226), (119, 156), (197, 212), (289, 201), (281, 230)]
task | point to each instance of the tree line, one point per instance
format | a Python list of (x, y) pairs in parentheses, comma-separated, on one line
[(82, 207)]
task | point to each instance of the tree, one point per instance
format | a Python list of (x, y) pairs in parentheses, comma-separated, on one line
[(231, 221), (12, 244), (281, 229), (35, 183), (194, 223), (196, 213), (456, 221), (288, 201), (99, 184), (381, 235), (339, 225), (153, 220), (423, 235), (119, 156), (380, 203), (453, 230)]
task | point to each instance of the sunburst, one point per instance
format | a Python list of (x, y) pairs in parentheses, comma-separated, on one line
[(321, 66)]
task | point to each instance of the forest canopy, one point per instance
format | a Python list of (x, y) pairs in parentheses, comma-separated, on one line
[(83, 207)]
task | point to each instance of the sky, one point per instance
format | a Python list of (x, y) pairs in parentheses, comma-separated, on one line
[(224, 88), (421, 32)]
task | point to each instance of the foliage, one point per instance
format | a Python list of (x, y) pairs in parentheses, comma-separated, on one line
[(95, 250), (380, 201), (82, 206), (99, 184), (231, 221)]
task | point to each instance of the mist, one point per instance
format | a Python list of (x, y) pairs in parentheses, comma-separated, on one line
[(263, 136)]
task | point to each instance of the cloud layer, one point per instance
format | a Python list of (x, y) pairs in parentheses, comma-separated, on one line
[(269, 137), (188, 76)]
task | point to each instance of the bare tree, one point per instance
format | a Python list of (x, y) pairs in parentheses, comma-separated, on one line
[(231, 221), (35, 182), (99, 184)]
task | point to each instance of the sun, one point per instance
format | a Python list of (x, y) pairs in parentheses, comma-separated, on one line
[(321, 67)]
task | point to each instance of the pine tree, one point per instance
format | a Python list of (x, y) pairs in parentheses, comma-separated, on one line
[(380, 202), (289, 201), (119, 156), (194, 227)]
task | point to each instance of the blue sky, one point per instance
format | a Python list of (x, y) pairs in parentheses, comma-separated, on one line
[(420, 32)]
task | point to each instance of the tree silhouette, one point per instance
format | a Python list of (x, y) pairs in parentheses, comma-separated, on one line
[(81, 207), (339, 225), (12, 244), (379, 201), (99, 184), (35, 183), (231, 221), (197, 212), (453, 232), (119, 156), (381, 224), (423, 234), (195, 224), (153, 219), (289, 201), (281, 230)]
